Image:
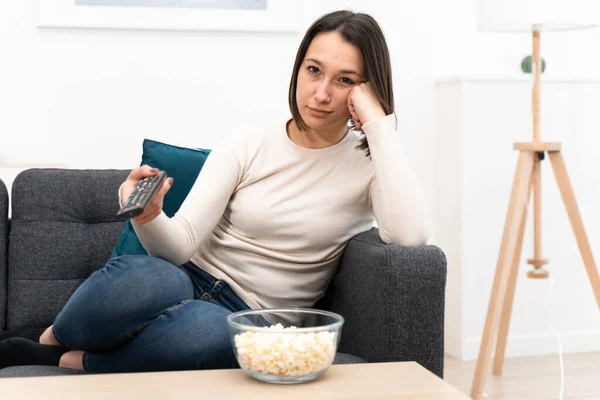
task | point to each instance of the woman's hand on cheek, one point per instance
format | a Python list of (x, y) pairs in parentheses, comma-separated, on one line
[(364, 105)]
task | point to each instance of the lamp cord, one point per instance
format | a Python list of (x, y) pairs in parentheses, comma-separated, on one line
[(560, 352)]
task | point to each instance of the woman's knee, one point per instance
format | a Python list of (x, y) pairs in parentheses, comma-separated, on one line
[(128, 288)]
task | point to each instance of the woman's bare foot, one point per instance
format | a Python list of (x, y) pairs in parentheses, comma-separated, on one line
[(72, 359), (48, 338)]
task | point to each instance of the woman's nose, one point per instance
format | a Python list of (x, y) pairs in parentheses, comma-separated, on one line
[(322, 94)]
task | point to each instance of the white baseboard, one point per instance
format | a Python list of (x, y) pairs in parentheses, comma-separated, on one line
[(540, 344)]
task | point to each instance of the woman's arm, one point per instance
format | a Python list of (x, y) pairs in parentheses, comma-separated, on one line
[(177, 239), (396, 197)]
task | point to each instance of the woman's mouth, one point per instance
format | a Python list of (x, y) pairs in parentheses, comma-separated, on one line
[(318, 112)]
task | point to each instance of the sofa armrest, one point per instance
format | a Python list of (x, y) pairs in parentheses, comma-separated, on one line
[(3, 253), (392, 298)]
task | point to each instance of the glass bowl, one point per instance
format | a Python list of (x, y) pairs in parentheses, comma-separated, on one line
[(285, 345)]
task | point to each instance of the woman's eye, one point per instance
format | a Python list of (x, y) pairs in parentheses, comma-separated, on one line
[(346, 81), (313, 70)]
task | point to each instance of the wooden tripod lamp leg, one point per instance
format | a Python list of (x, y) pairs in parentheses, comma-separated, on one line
[(510, 293), (566, 191), (518, 202)]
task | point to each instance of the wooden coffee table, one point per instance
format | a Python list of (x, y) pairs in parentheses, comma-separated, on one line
[(397, 380)]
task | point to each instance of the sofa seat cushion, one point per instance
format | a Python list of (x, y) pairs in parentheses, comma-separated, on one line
[(343, 358), (23, 371)]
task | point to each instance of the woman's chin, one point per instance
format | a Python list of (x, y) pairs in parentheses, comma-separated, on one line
[(318, 123)]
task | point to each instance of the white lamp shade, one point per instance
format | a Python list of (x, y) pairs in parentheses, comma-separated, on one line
[(542, 15)]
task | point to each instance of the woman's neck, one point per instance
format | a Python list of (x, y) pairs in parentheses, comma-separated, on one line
[(315, 139)]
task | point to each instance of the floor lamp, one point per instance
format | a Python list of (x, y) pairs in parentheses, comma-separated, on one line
[(532, 16)]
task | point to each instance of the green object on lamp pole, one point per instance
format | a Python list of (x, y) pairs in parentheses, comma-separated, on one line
[(526, 65)]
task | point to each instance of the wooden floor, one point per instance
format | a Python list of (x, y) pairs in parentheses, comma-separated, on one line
[(533, 378)]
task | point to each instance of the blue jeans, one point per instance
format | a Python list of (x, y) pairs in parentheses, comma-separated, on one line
[(142, 313)]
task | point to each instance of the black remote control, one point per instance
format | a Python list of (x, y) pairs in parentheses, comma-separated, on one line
[(141, 196)]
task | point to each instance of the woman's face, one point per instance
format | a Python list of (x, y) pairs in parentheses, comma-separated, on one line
[(329, 71)]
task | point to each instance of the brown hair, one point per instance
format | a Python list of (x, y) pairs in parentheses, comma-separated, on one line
[(362, 31)]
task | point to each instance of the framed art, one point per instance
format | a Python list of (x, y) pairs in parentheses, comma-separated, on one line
[(207, 15)]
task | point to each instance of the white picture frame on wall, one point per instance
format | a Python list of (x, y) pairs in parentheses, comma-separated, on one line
[(276, 16)]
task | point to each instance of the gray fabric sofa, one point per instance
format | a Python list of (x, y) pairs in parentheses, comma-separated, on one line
[(63, 228)]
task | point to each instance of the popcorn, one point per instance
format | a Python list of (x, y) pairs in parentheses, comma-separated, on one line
[(280, 351)]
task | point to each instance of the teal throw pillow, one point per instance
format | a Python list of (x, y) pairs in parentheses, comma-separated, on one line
[(184, 165)]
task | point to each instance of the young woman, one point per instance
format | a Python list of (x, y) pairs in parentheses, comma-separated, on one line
[(266, 222)]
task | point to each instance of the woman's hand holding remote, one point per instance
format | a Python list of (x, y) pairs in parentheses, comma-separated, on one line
[(154, 207)]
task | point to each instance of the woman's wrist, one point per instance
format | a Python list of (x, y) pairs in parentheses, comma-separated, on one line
[(386, 122)]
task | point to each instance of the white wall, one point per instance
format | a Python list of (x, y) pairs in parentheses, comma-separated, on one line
[(87, 98)]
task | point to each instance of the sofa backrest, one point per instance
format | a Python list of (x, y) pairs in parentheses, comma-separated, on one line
[(63, 228), (3, 252)]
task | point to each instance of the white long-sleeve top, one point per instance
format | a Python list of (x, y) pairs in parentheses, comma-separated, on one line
[(272, 218)]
